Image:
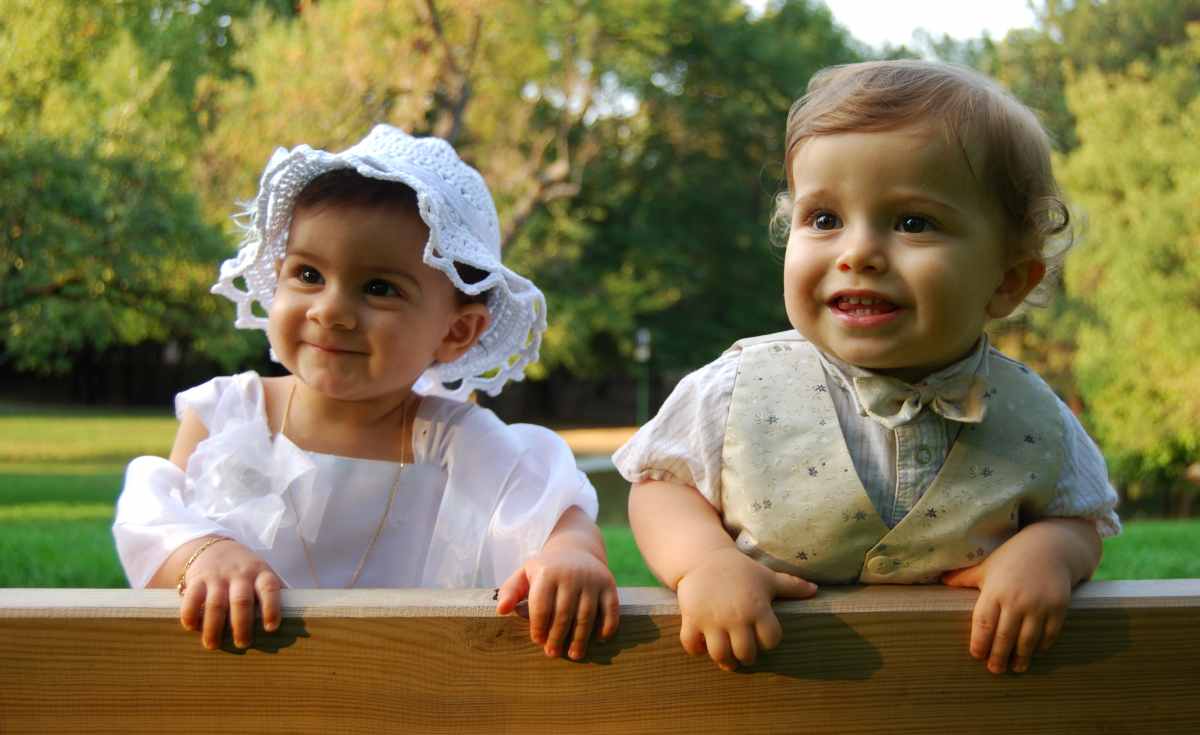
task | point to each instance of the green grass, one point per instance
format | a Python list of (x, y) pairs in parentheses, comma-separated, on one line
[(66, 553), (60, 474), (1152, 550), (61, 471), (625, 560)]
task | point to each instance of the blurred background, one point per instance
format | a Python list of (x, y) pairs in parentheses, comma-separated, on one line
[(634, 148)]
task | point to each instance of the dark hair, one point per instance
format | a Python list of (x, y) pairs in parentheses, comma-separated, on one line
[(345, 187)]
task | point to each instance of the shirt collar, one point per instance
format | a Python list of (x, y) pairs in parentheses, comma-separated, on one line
[(973, 363)]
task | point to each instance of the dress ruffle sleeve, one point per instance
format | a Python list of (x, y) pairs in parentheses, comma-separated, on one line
[(684, 441), (507, 486), (234, 484), (152, 520)]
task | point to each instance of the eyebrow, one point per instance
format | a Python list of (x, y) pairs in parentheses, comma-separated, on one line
[(818, 193), (923, 198), (900, 197)]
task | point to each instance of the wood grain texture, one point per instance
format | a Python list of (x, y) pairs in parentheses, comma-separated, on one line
[(854, 660)]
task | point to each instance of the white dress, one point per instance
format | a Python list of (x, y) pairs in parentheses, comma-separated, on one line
[(479, 498)]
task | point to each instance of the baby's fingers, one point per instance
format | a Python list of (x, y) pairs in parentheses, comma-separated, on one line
[(585, 618), (542, 601), (691, 638), (1007, 632), (1054, 626), (768, 631), (215, 607), (191, 610), (241, 612), (984, 619), (745, 648), (610, 610), (267, 586), (720, 650), (787, 585), (514, 589), (1027, 643), (566, 601)]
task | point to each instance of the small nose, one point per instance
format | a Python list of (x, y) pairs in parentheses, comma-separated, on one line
[(864, 252), (333, 309)]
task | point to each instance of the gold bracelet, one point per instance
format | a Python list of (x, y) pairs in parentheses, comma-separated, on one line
[(181, 585)]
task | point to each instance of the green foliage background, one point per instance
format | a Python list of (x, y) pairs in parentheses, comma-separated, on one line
[(634, 148)]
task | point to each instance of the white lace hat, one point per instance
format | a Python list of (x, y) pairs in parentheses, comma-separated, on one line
[(453, 201)]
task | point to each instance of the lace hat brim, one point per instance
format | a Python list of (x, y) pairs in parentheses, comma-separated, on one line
[(454, 203)]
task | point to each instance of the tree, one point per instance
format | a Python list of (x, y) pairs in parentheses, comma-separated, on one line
[(514, 85), (582, 116), (97, 251), (1074, 35), (672, 225), (1138, 274), (101, 242)]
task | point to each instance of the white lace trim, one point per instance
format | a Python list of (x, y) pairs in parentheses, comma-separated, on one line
[(453, 201)]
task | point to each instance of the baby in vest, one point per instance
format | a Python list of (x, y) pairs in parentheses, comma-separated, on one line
[(378, 267), (884, 440)]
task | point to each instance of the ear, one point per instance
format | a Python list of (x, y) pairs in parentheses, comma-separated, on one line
[(466, 327), (1019, 279)]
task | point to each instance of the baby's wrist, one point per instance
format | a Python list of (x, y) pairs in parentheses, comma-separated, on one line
[(720, 555)]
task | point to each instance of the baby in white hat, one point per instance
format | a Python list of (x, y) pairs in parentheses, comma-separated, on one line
[(376, 267)]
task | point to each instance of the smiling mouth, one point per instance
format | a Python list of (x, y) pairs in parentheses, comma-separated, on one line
[(862, 305), (331, 349)]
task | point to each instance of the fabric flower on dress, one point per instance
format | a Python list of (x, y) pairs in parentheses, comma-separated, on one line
[(238, 478)]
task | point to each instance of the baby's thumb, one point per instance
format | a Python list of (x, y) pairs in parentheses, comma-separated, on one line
[(966, 577), (788, 585), (514, 589)]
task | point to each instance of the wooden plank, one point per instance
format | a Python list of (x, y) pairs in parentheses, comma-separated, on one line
[(855, 660)]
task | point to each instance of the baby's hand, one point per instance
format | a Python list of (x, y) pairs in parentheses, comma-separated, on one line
[(725, 602), (1021, 607), (228, 577), (570, 591)]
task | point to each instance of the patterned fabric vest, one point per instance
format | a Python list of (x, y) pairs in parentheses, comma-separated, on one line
[(791, 496)]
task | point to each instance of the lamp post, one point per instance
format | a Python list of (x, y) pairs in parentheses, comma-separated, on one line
[(641, 355)]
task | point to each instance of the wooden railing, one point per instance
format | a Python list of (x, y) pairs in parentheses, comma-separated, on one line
[(876, 660)]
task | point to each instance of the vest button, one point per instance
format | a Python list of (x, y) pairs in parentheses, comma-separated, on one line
[(882, 565), (924, 454)]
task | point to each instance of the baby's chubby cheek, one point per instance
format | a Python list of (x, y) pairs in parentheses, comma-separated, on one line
[(803, 312)]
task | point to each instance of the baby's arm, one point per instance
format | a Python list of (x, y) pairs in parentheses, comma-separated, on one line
[(1024, 589), (724, 596), (226, 576), (568, 584)]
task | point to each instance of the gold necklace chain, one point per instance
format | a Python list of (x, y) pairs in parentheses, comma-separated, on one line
[(312, 569)]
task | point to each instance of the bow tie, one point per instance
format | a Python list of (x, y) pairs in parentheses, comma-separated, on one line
[(893, 402)]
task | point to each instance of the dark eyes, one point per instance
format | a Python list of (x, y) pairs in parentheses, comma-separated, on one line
[(910, 223), (913, 224), (379, 287), (826, 221), (310, 276)]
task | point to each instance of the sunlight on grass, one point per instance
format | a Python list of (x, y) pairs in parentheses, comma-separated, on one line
[(95, 438), (57, 512), (64, 468)]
